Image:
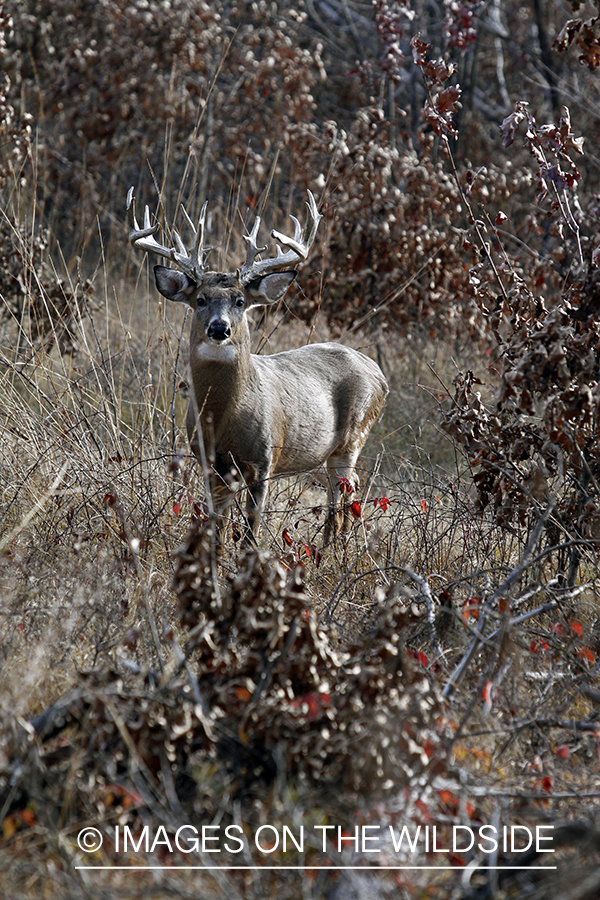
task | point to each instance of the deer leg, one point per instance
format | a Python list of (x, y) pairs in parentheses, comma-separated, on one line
[(341, 477), (257, 495), (216, 475)]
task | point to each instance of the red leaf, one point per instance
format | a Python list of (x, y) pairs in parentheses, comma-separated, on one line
[(28, 816), (449, 800), (419, 656), (501, 218), (429, 747), (488, 693), (199, 511), (419, 49), (345, 486), (242, 693), (470, 608), (355, 509), (447, 99), (314, 701), (383, 503), (439, 71), (177, 507), (512, 122), (576, 627), (424, 810), (424, 505), (548, 784), (563, 751), (586, 654), (566, 36), (287, 537)]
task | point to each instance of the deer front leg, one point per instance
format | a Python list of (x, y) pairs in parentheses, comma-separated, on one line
[(219, 473), (257, 495)]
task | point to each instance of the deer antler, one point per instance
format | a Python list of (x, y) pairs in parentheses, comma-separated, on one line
[(192, 262), (299, 246)]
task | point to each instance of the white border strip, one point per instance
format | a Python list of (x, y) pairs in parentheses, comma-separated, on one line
[(311, 868)]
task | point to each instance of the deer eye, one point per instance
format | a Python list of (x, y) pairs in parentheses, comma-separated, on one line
[(201, 302), (239, 302)]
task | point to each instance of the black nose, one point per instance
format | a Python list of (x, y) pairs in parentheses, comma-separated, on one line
[(218, 331)]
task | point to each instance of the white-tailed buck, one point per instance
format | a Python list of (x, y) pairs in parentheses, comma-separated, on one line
[(305, 410)]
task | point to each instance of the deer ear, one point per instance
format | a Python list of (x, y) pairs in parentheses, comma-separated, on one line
[(174, 285), (269, 288)]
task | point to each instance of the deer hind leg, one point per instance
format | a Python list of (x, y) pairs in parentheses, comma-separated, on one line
[(340, 474)]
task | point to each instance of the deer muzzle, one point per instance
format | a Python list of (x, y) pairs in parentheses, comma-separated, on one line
[(218, 331)]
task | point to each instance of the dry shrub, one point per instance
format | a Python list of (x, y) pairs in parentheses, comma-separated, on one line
[(356, 719), (39, 305), (33, 297), (538, 444), (262, 697), (208, 90), (393, 253)]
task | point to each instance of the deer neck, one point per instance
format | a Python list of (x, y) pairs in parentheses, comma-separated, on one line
[(220, 375)]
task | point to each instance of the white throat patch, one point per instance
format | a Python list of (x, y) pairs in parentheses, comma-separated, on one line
[(212, 352)]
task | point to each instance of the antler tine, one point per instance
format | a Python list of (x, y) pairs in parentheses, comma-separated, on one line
[(253, 248), (192, 262), (143, 238), (299, 246), (302, 240), (296, 243)]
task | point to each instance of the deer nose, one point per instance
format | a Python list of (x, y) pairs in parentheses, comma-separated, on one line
[(218, 331)]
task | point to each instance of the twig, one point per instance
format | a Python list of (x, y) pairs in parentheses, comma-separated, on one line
[(35, 509), (426, 591), (459, 672)]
